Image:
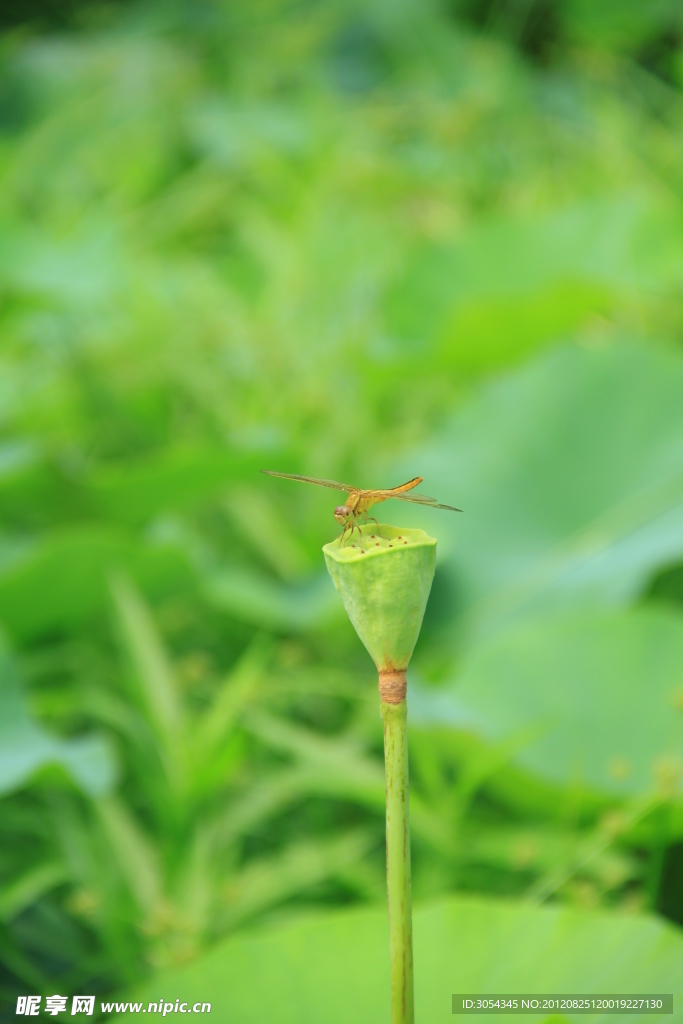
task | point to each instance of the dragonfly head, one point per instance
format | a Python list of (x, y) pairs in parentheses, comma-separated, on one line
[(342, 514)]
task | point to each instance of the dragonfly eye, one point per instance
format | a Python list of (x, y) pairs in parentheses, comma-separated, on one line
[(342, 513)]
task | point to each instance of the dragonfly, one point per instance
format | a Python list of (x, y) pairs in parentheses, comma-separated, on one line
[(360, 501)]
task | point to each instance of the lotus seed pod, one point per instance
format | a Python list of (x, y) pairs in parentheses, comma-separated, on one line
[(384, 586)]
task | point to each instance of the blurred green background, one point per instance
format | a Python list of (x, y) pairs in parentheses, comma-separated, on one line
[(362, 241)]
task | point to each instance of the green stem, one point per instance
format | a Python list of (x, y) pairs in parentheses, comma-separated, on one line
[(394, 717)]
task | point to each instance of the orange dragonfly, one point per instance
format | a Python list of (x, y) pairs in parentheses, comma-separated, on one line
[(359, 501)]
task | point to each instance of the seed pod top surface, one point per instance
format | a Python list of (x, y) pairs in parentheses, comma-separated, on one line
[(385, 586)]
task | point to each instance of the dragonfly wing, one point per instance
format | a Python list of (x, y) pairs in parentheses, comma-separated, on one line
[(368, 498), (423, 499), (310, 480)]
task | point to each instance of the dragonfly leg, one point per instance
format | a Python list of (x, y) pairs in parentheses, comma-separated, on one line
[(365, 521), (350, 525), (355, 526), (374, 521)]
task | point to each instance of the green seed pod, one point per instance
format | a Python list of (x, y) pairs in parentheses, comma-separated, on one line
[(384, 586)]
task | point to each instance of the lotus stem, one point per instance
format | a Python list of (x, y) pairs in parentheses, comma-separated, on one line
[(394, 718)]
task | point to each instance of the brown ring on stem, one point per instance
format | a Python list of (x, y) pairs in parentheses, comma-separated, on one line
[(392, 685)]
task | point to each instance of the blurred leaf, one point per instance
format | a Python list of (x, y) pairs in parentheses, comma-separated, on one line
[(84, 265), (339, 961), (338, 766), (570, 262), (232, 135), (251, 597), (153, 670), (592, 853), (268, 533), (570, 474), (29, 887), (36, 491), (598, 697), (137, 859), (485, 334), (270, 880), (26, 747), (195, 886), (16, 458), (535, 848), (232, 696), (259, 802), (137, 491), (338, 763), (622, 23), (68, 570)]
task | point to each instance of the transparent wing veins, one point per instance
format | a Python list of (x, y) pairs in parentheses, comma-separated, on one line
[(423, 499), (334, 484)]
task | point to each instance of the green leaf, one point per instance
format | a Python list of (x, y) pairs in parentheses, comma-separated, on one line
[(136, 855), (260, 801), (252, 597), (25, 747), (68, 569), (29, 887), (570, 475), (214, 726), (485, 333), (339, 767), (134, 492), (269, 535), (131, 492), (591, 701), (586, 253), (337, 764), (335, 967), (548, 849), (151, 664), (625, 24), (267, 881)]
